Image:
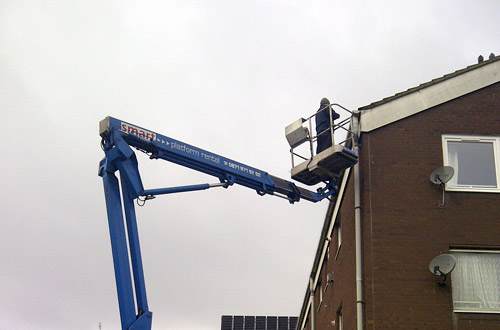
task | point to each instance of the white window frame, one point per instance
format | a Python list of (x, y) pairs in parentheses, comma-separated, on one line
[(339, 238), (328, 283), (480, 311), (473, 138), (339, 235), (320, 295)]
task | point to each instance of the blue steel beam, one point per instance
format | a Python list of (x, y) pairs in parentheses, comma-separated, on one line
[(173, 190), (225, 169), (135, 249), (119, 250), (120, 157)]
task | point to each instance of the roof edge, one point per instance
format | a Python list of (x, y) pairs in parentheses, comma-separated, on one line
[(431, 95), (430, 83)]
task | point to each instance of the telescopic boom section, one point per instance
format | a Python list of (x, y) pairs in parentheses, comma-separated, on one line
[(226, 170)]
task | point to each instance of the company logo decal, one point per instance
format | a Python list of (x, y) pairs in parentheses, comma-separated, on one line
[(137, 131)]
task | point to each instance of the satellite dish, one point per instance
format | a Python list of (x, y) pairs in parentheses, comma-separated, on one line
[(442, 264), (441, 175)]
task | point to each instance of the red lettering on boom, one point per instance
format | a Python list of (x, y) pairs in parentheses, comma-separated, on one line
[(139, 132)]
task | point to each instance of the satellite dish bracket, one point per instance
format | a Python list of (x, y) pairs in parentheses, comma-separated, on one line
[(441, 265), (440, 176), (442, 276)]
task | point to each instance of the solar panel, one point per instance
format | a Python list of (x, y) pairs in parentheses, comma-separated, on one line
[(230, 322), (249, 322), (238, 323), (282, 323), (272, 323), (260, 323), (226, 322)]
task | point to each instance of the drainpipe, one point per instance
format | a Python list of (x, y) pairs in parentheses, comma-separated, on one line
[(312, 310), (360, 304)]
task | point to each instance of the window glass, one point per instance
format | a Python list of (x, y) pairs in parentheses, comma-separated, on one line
[(474, 163), (476, 282)]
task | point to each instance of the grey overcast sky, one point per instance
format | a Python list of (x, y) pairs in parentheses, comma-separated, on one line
[(226, 76)]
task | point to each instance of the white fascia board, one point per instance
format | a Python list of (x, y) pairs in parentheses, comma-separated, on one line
[(328, 237), (429, 97)]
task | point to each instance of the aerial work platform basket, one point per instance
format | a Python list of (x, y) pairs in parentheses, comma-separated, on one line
[(324, 166), (330, 159)]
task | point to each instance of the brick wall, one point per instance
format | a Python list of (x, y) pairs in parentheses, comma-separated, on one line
[(404, 226)]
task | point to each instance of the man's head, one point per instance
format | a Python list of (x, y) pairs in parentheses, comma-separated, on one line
[(324, 102)]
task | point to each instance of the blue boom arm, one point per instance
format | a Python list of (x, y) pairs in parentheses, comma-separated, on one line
[(119, 133), (117, 139)]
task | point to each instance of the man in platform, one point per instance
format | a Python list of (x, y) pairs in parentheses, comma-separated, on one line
[(324, 125)]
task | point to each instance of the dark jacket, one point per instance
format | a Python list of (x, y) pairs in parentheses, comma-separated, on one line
[(322, 119)]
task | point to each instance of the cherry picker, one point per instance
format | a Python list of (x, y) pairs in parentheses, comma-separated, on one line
[(118, 139)]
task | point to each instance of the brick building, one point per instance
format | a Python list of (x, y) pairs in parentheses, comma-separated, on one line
[(453, 120)]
